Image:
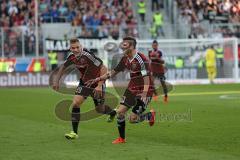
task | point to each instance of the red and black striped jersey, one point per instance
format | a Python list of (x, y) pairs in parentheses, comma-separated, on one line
[(155, 57), (138, 67), (87, 63)]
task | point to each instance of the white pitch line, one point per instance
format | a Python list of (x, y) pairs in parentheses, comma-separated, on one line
[(204, 93), (229, 97)]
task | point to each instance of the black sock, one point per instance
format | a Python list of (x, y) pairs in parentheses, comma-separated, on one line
[(112, 113), (146, 116), (165, 90), (121, 127), (75, 118)]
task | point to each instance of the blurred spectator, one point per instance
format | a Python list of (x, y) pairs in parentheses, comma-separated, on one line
[(226, 5), (95, 23), (37, 67), (53, 59), (45, 15), (85, 33), (115, 31), (54, 13), (158, 22), (155, 5), (142, 10), (153, 31)]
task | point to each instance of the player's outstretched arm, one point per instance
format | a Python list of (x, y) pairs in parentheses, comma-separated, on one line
[(103, 71), (102, 78), (98, 90), (61, 71), (58, 77)]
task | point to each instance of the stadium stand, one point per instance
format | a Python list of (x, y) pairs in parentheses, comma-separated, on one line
[(96, 18), (222, 16), (212, 10)]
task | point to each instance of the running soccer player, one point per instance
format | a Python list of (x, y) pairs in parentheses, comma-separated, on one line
[(157, 68), (85, 62), (139, 91)]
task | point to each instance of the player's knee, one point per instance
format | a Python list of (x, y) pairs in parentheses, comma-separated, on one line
[(76, 103), (120, 118), (133, 118), (121, 115)]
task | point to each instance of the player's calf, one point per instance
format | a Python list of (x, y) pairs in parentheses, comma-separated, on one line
[(121, 124), (138, 114), (75, 116), (105, 109)]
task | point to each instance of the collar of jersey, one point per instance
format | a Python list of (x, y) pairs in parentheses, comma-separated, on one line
[(130, 60)]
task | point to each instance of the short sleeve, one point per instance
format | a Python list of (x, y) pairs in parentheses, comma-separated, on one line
[(69, 60), (92, 58), (145, 68), (160, 54)]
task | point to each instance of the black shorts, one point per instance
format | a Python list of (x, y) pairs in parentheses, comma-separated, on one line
[(132, 101), (87, 91)]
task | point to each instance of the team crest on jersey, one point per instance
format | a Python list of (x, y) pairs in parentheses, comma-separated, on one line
[(134, 66)]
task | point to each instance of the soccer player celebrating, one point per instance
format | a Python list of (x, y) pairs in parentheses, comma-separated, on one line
[(85, 62), (157, 68), (139, 91)]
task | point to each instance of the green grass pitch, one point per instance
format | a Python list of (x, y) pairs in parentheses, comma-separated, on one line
[(30, 130)]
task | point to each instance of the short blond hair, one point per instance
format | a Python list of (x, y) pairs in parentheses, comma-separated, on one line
[(74, 40)]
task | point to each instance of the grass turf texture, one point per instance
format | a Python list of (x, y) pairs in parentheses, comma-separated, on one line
[(30, 130)]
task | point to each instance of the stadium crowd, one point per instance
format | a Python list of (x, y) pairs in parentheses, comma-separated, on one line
[(94, 18), (214, 11), (17, 24)]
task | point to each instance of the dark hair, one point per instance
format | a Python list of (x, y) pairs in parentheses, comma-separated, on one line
[(132, 40), (155, 41), (73, 40)]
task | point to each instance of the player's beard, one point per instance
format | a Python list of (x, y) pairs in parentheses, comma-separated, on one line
[(126, 47), (127, 52)]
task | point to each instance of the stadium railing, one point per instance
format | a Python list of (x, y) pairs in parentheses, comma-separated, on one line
[(19, 42)]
